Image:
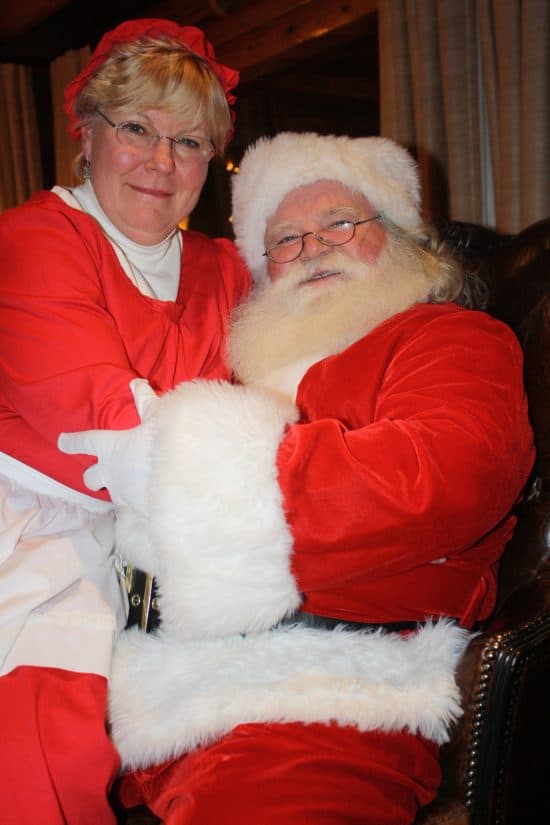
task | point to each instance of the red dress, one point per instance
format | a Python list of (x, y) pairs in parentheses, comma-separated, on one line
[(74, 332)]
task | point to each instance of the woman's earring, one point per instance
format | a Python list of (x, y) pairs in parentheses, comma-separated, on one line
[(86, 169)]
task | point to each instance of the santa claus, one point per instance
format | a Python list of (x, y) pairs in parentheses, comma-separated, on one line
[(325, 529)]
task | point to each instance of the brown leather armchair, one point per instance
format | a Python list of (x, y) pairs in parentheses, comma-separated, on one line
[(495, 767)]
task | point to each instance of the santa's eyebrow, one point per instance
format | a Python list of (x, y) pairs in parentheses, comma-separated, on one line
[(280, 231), (338, 211), (342, 212)]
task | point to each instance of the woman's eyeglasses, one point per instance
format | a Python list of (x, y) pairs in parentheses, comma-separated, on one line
[(143, 138)]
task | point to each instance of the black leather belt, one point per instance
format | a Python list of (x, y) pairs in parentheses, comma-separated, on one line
[(143, 610), (327, 623)]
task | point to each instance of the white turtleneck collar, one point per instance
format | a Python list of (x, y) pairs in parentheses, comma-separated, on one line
[(154, 270)]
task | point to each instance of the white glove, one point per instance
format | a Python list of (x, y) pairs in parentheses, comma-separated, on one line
[(123, 456)]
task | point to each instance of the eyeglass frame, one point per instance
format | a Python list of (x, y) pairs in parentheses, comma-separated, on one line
[(157, 137), (317, 236)]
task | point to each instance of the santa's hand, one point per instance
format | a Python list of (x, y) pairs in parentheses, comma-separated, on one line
[(123, 456)]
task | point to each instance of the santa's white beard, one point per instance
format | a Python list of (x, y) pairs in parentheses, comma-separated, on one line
[(292, 320)]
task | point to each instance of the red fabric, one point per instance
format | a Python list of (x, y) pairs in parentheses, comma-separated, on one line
[(292, 774), (56, 761), (413, 446), (133, 30), (75, 331)]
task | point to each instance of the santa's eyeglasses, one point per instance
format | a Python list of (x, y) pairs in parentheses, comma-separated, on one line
[(290, 247)]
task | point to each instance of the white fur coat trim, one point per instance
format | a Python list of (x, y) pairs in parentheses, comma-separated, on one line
[(167, 698), (223, 547)]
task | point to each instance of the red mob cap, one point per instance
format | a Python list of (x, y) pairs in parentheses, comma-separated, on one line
[(133, 30)]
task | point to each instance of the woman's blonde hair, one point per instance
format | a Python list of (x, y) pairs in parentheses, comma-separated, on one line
[(158, 73)]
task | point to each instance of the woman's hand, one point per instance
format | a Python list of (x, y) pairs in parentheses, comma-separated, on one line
[(123, 456)]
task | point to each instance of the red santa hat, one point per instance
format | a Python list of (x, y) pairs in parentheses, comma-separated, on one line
[(385, 173)]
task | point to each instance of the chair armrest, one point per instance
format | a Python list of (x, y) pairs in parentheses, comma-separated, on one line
[(495, 768)]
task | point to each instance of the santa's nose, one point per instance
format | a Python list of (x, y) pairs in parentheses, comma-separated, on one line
[(312, 247)]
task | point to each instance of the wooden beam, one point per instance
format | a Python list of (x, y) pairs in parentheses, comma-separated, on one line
[(298, 32), (353, 88), (189, 12), (241, 21), (70, 26), (24, 14)]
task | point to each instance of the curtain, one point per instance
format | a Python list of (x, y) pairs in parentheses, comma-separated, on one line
[(465, 85), (62, 71), (20, 161), (515, 38)]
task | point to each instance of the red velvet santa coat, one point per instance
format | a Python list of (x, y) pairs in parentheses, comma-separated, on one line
[(389, 499)]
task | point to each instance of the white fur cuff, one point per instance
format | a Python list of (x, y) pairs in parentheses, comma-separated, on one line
[(216, 511)]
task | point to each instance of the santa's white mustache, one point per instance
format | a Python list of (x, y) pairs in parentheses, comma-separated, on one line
[(330, 262)]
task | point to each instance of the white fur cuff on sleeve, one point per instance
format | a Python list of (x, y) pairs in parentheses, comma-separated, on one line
[(217, 518)]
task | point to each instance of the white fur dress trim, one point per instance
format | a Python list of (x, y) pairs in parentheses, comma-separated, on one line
[(167, 697)]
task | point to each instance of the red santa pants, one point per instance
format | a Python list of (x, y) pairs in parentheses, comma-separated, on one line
[(293, 774), (56, 761)]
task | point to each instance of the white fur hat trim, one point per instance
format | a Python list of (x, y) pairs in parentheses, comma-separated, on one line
[(385, 173)]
